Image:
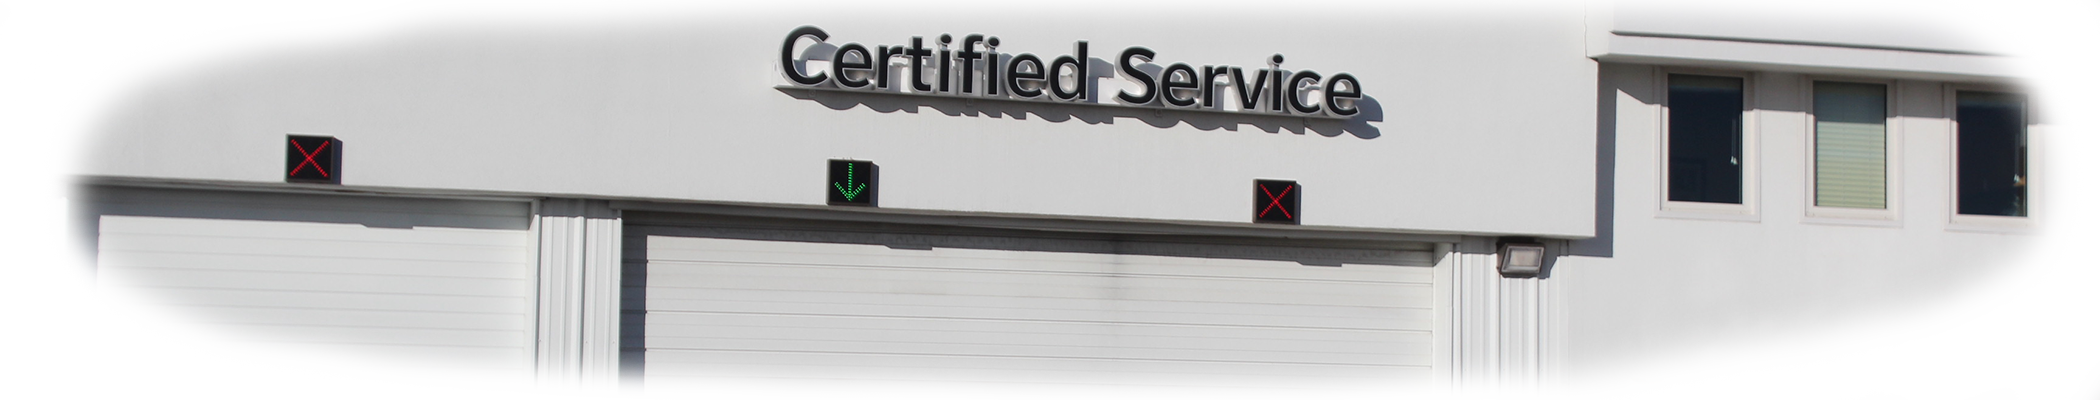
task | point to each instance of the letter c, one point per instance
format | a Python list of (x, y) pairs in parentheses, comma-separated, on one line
[(787, 56)]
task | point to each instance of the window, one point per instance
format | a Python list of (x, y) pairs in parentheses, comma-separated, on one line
[(1851, 145), (1990, 153), (1705, 140)]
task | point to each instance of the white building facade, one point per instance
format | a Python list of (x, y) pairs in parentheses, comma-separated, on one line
[(660, 203)]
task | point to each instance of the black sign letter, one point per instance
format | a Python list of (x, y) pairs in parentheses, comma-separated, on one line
[(787, 55), (1130, 70)]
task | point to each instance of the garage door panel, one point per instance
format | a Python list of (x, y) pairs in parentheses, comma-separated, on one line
[(1021, 365), (404, 247), (1032, 308), (998, 309), (727, 300), (347, 314), (758, 252), (429, 280), (381, 335), (340, 301), (921, 304), (976, 283), (478, 358), (739, 364), (502, 380), (302, 264), (1035, 339), (1384, 354), (314, 281), (807, 394), (712, 324), (895, 388)]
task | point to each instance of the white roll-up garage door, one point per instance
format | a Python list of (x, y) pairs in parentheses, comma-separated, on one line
[(416, 280), (897, 303)]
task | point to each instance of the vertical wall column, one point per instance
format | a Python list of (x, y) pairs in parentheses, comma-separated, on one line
[(579, 291), (57, 209), (55, 213), (1499, 323)]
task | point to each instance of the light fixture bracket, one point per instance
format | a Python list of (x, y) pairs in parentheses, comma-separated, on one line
[(1520, 257)]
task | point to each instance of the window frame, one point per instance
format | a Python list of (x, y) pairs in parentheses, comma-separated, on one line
[(1991, 223), (1892, 142), (1752, 154)]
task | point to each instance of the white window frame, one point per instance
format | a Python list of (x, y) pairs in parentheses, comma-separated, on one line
[(1748, 209), (1990, 223), (1892, 142)]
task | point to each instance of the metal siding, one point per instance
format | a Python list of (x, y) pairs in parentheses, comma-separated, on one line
[(399, 279), (739, 309)]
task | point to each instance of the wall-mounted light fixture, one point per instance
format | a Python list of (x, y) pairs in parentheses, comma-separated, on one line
[(1521, 256)]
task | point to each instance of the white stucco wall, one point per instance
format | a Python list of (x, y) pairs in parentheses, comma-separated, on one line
[(1490, 125), (1832, 38), (1860, 24), (1652, 285), (1484, 122)]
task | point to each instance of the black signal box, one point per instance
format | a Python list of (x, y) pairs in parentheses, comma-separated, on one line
[(852, 183), (1276, 202), (313, 159)]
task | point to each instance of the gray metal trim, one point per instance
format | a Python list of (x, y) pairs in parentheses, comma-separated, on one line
[(1800, 43), (1033, 222), (55, 215), (305, 188)]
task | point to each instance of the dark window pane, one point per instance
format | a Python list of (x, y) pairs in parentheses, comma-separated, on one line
[(1706, 139), (1991, 153)]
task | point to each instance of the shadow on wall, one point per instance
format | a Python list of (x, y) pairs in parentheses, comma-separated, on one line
[(1607, 168), (904, 236), (889, 102), (634, 312)]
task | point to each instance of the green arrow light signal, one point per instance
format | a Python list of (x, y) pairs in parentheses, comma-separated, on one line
[(852, 183), (850, 194)]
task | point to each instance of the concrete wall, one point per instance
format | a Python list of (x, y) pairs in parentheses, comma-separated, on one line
[(1477, 122), (1653, 283)]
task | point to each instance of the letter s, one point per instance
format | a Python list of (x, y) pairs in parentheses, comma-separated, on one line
[(1130, 70)]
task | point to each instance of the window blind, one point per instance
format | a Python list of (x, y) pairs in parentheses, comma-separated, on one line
[(1851, 145)]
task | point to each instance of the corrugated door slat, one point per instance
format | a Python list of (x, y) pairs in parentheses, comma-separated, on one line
[(416, 280), (719, 308)]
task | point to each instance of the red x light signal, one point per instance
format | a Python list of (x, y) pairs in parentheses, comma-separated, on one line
[(1276, 202), (313, 159)]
